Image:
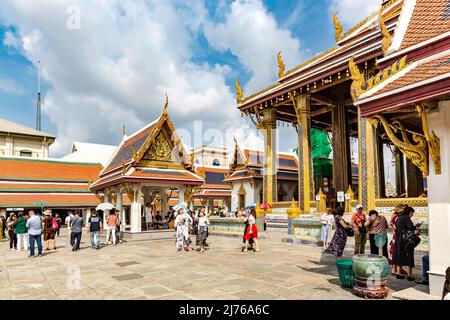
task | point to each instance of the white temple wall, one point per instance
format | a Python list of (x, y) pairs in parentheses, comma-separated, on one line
[(439, 201)]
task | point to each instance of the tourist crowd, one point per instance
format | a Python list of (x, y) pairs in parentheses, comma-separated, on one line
[(30, 231), (399, 251), (26, 231)]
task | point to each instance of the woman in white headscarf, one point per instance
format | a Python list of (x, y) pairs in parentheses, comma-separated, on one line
[(182, 222)]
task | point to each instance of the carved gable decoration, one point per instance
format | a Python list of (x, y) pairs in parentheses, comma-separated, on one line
[(160, 149)]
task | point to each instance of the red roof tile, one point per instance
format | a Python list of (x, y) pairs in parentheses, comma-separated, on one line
[(46, 170), (43, 187), (430, 18), (422, 72), (124, 154), (52, 200)]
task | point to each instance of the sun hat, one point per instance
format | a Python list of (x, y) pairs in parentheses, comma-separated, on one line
[(47, 213), (398, 208), (359, 206)]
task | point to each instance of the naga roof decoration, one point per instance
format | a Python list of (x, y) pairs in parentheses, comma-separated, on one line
[(363, 38), (281, 66), (338, 28), (425, 37)]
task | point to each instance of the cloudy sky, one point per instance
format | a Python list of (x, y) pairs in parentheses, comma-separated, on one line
[(107, 63)]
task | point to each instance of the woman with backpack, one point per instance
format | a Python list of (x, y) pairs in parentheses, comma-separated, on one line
[(49, 224), (406, 233)]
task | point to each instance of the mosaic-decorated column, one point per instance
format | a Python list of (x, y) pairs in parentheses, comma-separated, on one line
[(270, 154), (367, 167), (293, 213), (260, 214), (302, 104)]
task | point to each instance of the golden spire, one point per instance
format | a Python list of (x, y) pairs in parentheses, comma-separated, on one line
[(387, 40), (166, 105), (338, 28), (239, 93), (281, 66)]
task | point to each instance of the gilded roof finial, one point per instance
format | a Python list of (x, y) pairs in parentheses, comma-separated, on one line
[(338, 28), (166, 105), (387, 40), (239, 93), (281, 66)]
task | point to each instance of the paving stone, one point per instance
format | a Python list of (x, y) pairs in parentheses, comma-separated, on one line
[(129, 276), (127, 263), (151, 270)]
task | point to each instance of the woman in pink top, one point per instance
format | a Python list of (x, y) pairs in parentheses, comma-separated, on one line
[(112, 224)]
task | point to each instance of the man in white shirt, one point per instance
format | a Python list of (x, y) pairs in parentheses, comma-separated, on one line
[(67, 223)]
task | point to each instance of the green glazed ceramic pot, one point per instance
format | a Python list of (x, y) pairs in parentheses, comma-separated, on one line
[(371, 273)]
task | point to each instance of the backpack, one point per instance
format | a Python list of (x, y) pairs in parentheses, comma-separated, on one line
[(411, 239), (55, 225)]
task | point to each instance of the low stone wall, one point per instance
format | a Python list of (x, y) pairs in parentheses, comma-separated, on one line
[(307, 229), (226, 226), (146, 235)]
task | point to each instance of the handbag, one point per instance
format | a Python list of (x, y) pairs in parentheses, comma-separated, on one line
[(350, 232), (411, 239), (55, 225)]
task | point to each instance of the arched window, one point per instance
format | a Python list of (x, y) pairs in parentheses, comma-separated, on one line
[(216, 162)]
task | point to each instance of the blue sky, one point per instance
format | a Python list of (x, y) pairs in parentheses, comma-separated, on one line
[(113, 71)]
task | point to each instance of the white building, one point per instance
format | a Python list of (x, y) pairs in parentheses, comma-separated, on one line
[(90, 152), (23, 141), (210, 156)]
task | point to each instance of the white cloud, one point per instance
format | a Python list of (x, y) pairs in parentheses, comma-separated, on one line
[(252, 34), (12, 41), (115, 69), (350, 12), (11, 86)]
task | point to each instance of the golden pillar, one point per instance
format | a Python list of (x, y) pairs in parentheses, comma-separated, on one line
[(322, 202), (270, 154), (367, 166), (293, 213), (302, 105)]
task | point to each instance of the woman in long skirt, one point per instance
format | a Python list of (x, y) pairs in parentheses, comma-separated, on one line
[(182, 222), (393, 223), (404, 254), (337, 245), (202, 233)]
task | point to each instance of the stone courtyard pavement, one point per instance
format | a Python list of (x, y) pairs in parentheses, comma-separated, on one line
[(154, 270)]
